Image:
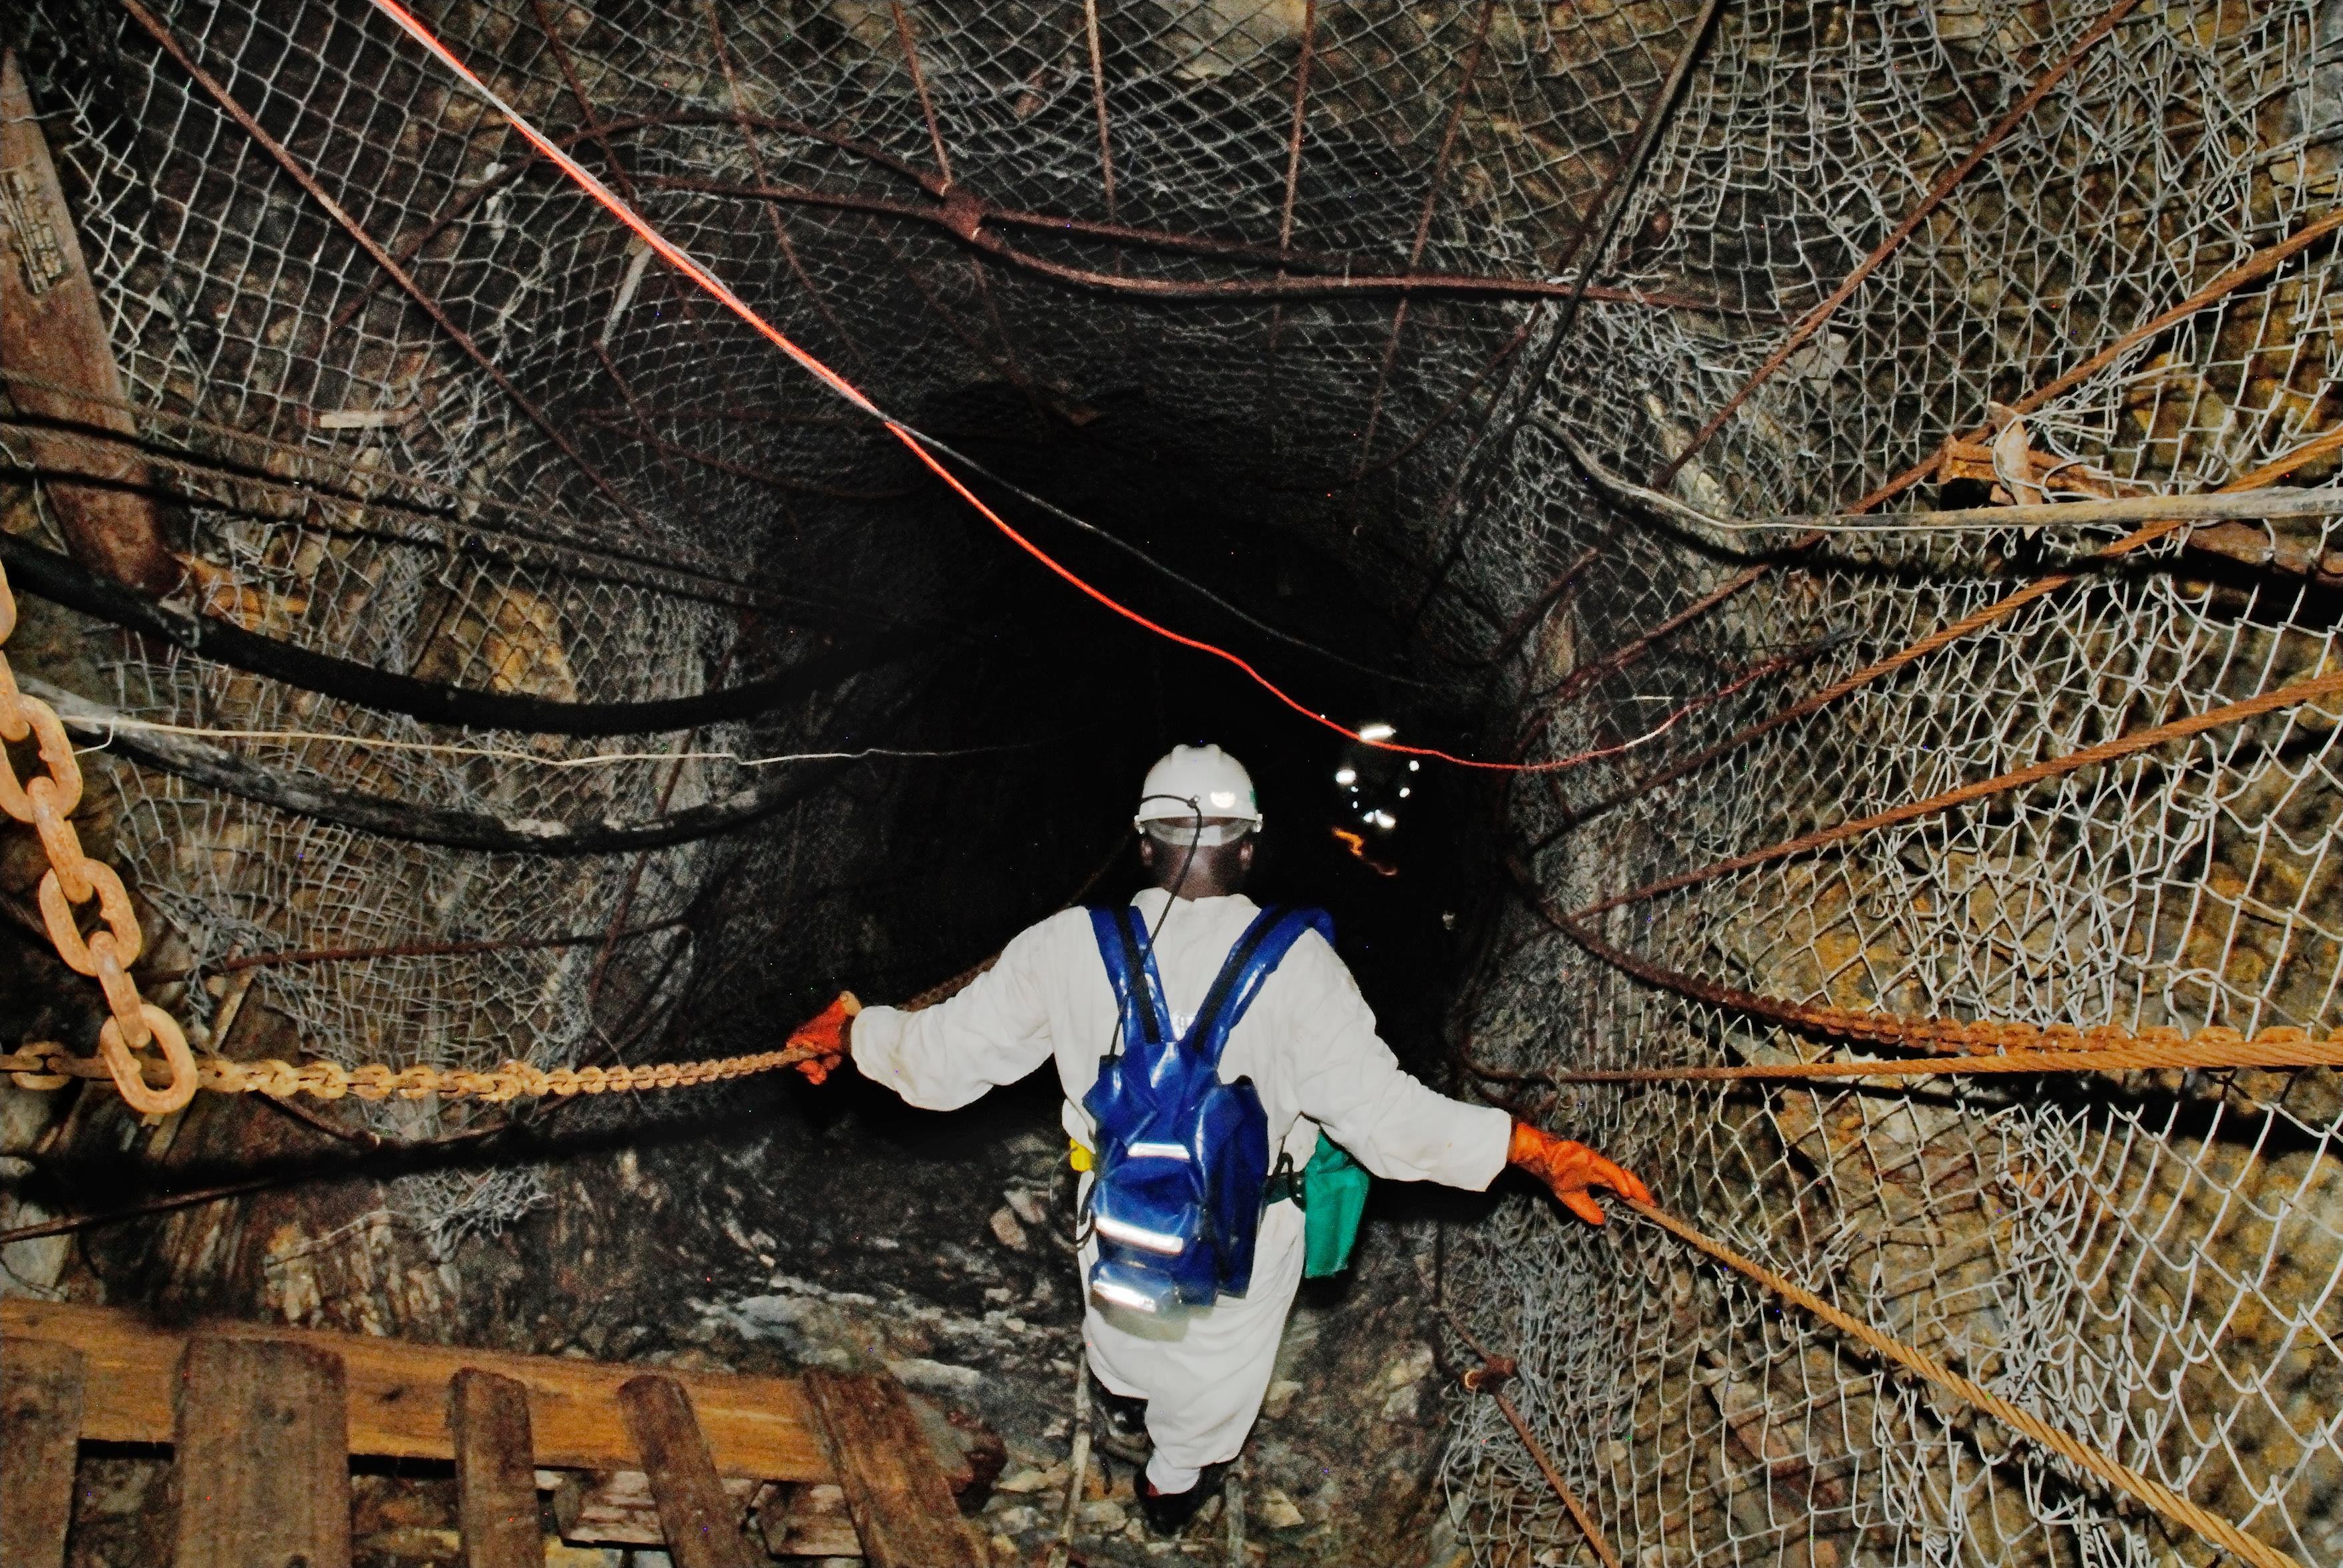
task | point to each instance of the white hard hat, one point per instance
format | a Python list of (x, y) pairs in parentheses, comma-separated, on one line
[(1190, 777)]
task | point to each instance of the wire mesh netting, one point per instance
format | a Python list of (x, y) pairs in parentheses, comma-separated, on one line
[(536, 463)]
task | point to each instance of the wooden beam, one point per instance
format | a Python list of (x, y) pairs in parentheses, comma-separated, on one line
[(901, 1504), (496, 1474), (757, 1427), (702, 1521), (52, 330), (40, 1428), (263, 1471)]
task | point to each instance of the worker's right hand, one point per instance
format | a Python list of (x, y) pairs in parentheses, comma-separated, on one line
[(826, 1035), (1570, 1169)]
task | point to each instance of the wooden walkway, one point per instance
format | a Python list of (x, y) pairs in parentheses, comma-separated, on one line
[(263, 1423)]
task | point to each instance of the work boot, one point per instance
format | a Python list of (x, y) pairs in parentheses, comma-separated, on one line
[(1169, 1513), (1119, 1425)]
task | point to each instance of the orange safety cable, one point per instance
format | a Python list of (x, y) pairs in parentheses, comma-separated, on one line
[(911, 439), (2115, 1473)]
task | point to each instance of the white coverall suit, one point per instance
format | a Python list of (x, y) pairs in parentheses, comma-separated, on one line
[(1309, 1044)]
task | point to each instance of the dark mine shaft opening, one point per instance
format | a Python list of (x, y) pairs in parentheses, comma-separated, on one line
[(1850, 491)]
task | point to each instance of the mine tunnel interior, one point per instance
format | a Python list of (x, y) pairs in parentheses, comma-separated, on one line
[(1773, 567)]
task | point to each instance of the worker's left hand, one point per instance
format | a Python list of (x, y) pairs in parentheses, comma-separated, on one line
[(827, 1035), (1570, 1169)]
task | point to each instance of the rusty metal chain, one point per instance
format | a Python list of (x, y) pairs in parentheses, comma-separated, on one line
[(47, 805), (44, 1065), (106, 954), (47, 1065)]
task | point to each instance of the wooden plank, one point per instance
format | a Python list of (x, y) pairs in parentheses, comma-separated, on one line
[(495, 1473), (52, 328), (40, 1428), (757, 1427), (701, 1520), (895, 1491), (263, 1467)]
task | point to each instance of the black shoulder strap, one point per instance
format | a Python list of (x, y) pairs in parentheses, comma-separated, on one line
[(1232, 969), (1144, 1002)]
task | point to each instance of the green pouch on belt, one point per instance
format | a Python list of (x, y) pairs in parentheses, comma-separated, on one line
[(1333, 1196)]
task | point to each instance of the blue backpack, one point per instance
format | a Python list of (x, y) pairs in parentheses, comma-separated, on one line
[(1182, 1159)]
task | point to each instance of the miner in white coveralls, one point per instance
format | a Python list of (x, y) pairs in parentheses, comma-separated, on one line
[(1307, 1043)]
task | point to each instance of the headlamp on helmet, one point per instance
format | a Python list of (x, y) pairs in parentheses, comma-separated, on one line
[(1196, 795)]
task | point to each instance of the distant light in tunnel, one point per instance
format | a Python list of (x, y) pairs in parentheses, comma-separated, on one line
[(1403, 791), (1382, 820), (1346, 776), (1377, 730), (1413, 765)]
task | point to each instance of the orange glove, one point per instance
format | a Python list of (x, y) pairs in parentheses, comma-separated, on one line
[(1570, 1169), (825, 1034)]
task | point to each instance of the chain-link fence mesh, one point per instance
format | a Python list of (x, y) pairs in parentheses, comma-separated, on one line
[(613, 491)]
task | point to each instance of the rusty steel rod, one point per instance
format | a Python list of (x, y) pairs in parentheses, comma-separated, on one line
[(756, 165), (1811, 322), (2000, 609), (170, 44), (1340, 274), (1293, 184), (1317, 276), (594, 130), (920, 85), (1097, 103), (2314, 689), (1497, 435), (1561, 1489), (1293, 133), (1433, 187), (2260, 265), (526, 158)]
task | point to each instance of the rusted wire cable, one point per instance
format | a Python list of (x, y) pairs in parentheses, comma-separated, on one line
[(2294, 695), (2206, 506), (2156, 1495), (2261, 264), (1955, 1045), (1490, 1379), (973, 221), (1811, 322), (170, 42), (2209, 1051)]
